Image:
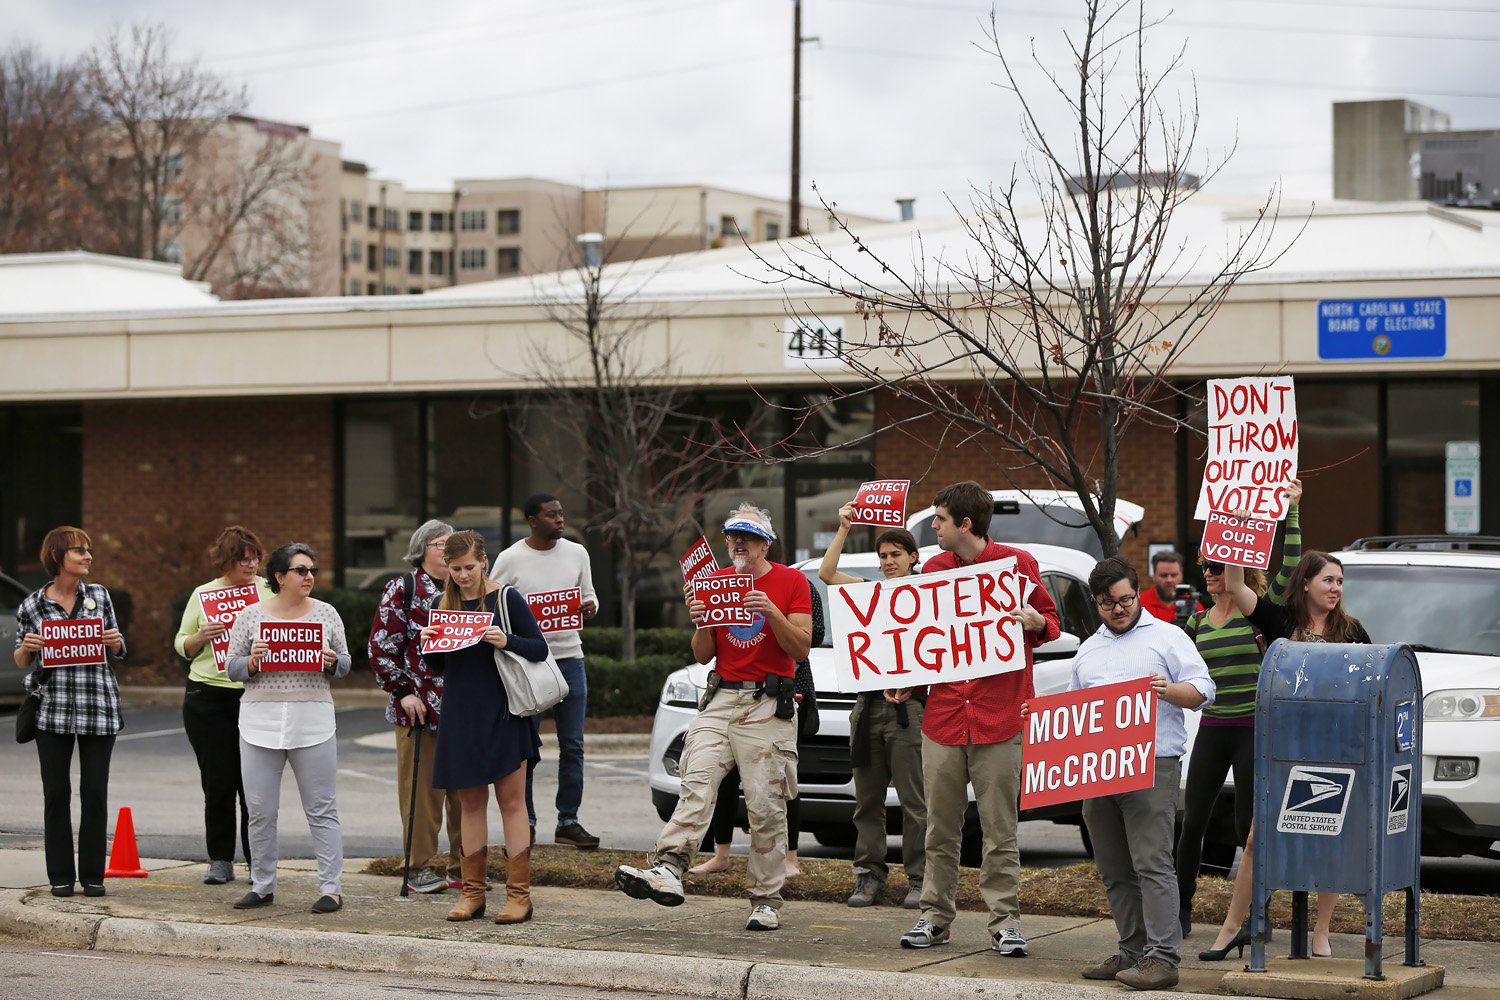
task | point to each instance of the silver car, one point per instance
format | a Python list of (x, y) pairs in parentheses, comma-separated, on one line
[(11, 679)]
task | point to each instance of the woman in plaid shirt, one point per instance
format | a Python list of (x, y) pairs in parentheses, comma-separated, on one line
[(79, 704)]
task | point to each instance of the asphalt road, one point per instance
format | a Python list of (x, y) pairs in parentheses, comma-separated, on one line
[(154, 773)]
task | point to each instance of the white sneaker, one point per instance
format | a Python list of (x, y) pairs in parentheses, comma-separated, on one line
[(925, 934), (659, 884), (763, 918), (1010, 942)]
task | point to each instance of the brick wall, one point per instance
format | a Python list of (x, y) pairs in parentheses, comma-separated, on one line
[(1148, 468), (162, 478)]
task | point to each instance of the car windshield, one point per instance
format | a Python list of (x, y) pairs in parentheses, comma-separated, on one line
[(1057, 525), (821, 588), (1446, 607)]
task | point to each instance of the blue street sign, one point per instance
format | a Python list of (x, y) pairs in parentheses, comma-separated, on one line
[(1376, 329)]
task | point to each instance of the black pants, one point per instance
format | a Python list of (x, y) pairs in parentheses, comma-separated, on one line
[(211, 716), (1216, 750), (721, 830), (55, 753)]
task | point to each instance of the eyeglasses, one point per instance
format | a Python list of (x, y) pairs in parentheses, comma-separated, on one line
[(304, 570), (82, 550), (1216, 568), (250, 560), (741, 536), (1108, 604)]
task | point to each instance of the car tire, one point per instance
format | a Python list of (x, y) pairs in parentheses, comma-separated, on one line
[(834, 834)]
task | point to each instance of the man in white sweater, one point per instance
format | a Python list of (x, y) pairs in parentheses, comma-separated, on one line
[(543, 563)]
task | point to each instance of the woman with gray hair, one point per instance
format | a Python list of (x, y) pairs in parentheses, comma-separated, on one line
[(286, 715), (416, 700)]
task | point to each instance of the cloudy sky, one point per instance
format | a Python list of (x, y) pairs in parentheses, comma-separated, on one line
[(897, 99)]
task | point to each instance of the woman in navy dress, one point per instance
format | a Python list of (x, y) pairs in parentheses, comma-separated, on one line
[(480, 743)]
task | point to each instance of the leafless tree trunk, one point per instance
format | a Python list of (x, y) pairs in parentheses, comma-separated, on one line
[(1051, 331)]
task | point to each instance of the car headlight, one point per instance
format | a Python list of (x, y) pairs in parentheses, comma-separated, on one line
[(1462, 705), (681, 692)]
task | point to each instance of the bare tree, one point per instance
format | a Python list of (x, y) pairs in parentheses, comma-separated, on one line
[(42, 121), (1051, 330)]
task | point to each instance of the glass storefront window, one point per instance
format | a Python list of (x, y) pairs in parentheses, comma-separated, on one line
[(466, 467), (382, 488), (32, 504), (1421, 418)]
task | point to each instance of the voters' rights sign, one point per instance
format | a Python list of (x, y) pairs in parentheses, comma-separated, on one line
[(1238, 541), (557, 610), (725, 598), (292, 645), (958, 625), (881, 504), (1083, 744), (456, 629), (1252, 447), (223, 605), (73, 642)]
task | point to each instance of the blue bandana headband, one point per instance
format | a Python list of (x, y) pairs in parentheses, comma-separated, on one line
[(749, 527)]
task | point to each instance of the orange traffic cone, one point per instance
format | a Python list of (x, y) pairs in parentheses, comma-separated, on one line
[(124, 859)]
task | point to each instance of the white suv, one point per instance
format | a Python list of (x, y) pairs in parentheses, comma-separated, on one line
[(1442, 595)]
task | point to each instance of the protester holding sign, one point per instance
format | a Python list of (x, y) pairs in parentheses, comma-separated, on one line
[(79, 704), (1132, 831), (545, 562), (971, 733), (746, 719), (481, 744), (286, 716), (416, 705), (211, 703)]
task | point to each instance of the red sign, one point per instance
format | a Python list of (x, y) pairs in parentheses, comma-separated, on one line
[(881, 504), (1084, 744), (292, 646), (725, 597), (73, 642), (1246, 542), (1252, 446), (456, 629), (557, 610), (224, 605), (699, 560)]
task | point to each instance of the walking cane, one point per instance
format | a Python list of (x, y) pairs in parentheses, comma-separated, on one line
[(411, 809)]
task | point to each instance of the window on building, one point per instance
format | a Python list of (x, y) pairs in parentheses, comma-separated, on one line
[(171, 210), (1421, 418), (374, 215), (437, 222), (390, 290), (414, 290), (437, 262), (370, 288), (508, 221), (356, 211), (773, 230), (172, 252), (32, 438), (356, 250), (373, 261), (472, 258), (414, 262), (392, 257), (392, 220), (171, 166), (508, 260), (471, 220), (729, 225), (353, 286), (414, 221)]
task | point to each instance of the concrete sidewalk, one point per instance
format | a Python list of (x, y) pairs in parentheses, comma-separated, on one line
[(603, 939)]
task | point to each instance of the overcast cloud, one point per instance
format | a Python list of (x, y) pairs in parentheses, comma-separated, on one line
[(897, 102)]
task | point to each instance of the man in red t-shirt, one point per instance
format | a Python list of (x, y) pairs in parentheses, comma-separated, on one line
[(971, 734), (1160, 599), (737, 726)]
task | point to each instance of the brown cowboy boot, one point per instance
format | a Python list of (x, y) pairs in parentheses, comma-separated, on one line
[(471, 903), (517, 908)]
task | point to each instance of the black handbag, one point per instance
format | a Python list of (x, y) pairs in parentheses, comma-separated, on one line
[(807, 698), (26, 714)]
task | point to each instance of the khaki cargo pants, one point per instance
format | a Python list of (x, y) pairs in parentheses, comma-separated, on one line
[(736, 730)]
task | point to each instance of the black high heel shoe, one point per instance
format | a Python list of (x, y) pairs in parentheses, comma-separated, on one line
[(1219, 954)]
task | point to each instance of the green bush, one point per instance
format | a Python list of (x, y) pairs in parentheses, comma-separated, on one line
[(355, 607), (603, 641), (620, 688)]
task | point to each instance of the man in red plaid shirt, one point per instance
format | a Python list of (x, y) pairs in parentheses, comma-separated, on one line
[(971, 733)]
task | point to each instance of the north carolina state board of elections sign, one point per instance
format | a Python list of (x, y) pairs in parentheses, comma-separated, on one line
[(1083, 744), (698, 560), (935, 628), (73, 642), (557, 610), (456, 629), (1252, 447), (292, 645), (881, 504), (1238, 542), (223, 605), (725, 598)]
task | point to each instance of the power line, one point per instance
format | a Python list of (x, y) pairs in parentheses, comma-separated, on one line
[(1371, 5)]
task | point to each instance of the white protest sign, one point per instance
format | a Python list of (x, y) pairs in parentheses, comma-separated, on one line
[(935, 628), (1252, 447)]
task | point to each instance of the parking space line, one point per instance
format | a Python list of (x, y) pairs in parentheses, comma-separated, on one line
[(150, 735)]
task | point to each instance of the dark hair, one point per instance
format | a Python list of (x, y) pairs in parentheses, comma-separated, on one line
[(968, 500), (280, 562), (1108, 572), (1166, 555), (233, 544), (897, 536), (56, 545), (1341, 625), (534, 504), (460, 543)]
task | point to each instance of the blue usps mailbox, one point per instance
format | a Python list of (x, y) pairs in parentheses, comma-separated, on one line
[(1338, 796)]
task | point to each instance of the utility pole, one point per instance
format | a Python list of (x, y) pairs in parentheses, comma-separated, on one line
[(794, 208)]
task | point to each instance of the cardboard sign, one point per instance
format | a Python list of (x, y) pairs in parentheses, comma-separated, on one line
[(1083, 744), (1252, 447), (456, 629), (881, 504), (698, 561), (558, 610), (725, 597), (292, 646), (1248, 542), (223, 605), (935, 628), (73, 642)]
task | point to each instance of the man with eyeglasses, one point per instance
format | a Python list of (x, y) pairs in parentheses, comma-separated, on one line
[(1132, 832)]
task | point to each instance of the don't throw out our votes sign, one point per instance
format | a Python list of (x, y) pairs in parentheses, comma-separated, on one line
[(935, 628), (1083, 744), (291, 645), (73, 642), (1252, 447)]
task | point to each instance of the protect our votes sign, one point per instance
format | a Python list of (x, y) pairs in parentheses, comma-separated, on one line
[(223, 605), (291, 645), (456, 629), (934, 628), (1238, 541), (881, 504), (1083, 744), (557, 610), (724, 597), (1252, 447)]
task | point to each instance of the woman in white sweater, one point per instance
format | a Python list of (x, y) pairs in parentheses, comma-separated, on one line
[(286, 715)]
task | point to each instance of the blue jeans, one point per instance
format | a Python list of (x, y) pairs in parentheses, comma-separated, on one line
[(569, 715)]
